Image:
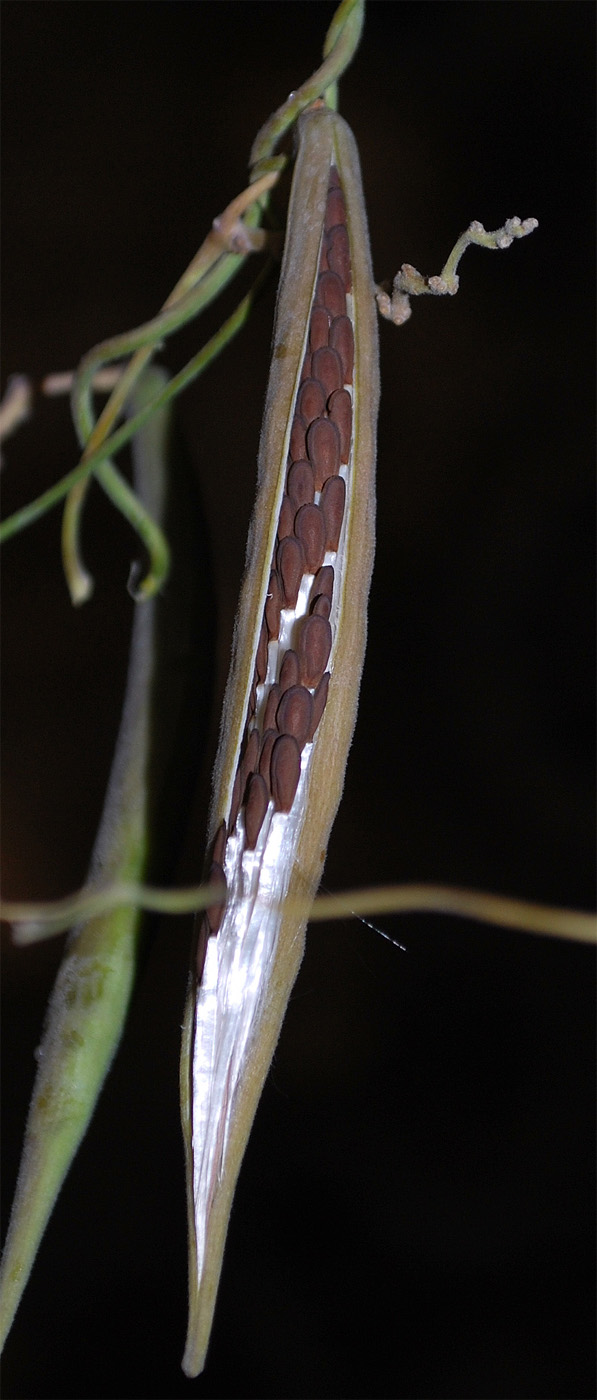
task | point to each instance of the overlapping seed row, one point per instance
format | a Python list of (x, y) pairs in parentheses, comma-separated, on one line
[(290, 684)]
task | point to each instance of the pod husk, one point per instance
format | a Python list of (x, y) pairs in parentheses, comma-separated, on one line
[(323, 139)]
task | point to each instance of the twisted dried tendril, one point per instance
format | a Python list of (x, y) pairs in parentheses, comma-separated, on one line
[(410, 283)]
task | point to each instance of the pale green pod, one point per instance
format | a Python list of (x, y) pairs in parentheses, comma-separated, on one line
[(233, 1017), (89, 1002)]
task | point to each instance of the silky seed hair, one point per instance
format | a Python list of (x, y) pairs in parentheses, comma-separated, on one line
[(291, 699)]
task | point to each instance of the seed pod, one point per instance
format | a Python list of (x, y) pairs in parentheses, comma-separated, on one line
[(255, 809), (314, 648), (291, 566), (234, 801), (285, 768), (339, 253), (295, 712), (321, 606), (311, 399), (285, 519), (250, 759), (300, 484), (323, 257), (219, 846), (333, 499), (309, 528), (297, 447), (340, 411), (273, 604), (342, 340), (146, 795), (229, 1042), (335, 212), (214, 912), (323, 450), (320, 696), (289, 671), (319, 330), (306, 369), (331, 293), (261, 662), (269, 739), (326, 366), (271, 706), (323, 582)]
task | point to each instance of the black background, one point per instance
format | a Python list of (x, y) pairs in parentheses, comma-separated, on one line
[(414, 1213)]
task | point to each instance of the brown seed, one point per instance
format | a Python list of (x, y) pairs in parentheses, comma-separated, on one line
[(339, 254), (335, 209), (333, 499), (234, 801), (219, 848), (261, 658), (320, 696), (252, 701), (286, 518), (289, 671), (291, 567), (203, 932), (300, 484), (309, 528), (285, 771), (306, 368), (323, 256), (315, 644), (215, 911), (271, 705), (342, 340), (273, 604), (334, 179), (323, 447), (340, 411), (249, 760), (267, 745), (297, 447), (294, 713), (323, 582), (321, 606), (331, 294), (311, 399), (319, 329), (327, 368), (255, 809)]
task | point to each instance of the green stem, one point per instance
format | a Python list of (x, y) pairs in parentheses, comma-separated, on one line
[(36, 921), (199, 284), (207, 274), (340, 46), (147, 338), (35, 509)]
